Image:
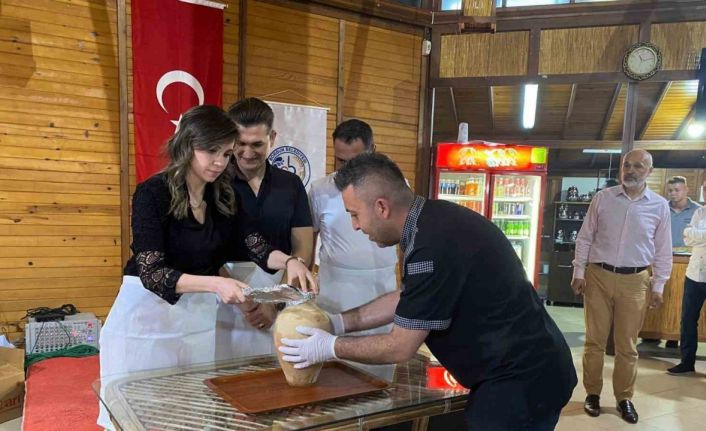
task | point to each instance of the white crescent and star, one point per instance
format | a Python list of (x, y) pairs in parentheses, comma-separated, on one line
[(179, 76)]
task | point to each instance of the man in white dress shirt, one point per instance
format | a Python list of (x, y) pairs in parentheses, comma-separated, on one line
[(352, 270), (626, 230)]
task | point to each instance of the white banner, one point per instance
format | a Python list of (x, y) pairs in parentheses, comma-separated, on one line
[(300, 146)]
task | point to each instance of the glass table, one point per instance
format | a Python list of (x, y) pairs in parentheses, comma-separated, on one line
[(178, 399)]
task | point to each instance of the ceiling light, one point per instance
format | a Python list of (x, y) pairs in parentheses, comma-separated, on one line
[(601, 151), (530, 106), (695, 130)]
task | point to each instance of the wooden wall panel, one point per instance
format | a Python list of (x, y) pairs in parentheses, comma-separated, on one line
[(508, 109), (614, 130), (473, 105), (59, 157), (585, 50), (382, 87), (484, 54), (59, 128), (552, 104), (478, 7), (657, 181), (292, 57), (680, 43), (676, 105), (591, 104)]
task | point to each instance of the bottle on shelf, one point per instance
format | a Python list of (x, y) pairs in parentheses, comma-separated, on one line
[(518, 248)]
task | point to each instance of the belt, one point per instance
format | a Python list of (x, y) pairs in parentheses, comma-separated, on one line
[(622, 270)]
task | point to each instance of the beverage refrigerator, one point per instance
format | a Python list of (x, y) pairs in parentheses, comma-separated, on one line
[(504, 183)]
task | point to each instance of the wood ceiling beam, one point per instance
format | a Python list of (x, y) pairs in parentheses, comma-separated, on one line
[(660, 97), (630, 117), (684, 124), (577, 78), (609, 112), (351, 11), (569, 110), (582, 15), (382, 9)]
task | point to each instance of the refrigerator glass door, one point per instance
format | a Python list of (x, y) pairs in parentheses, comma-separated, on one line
[(515, 210), (463, 188)]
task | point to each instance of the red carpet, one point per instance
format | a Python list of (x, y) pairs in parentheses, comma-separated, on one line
[(59, 396)]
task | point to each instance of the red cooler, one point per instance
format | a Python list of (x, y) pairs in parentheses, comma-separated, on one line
[(505, 183)]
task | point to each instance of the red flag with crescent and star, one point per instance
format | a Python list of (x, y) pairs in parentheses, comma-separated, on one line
[(177, 51)]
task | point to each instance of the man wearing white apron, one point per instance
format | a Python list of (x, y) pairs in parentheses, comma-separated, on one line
[(276, 199), (352, 270)]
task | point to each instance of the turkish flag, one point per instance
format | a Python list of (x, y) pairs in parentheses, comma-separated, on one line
[(177, 56)]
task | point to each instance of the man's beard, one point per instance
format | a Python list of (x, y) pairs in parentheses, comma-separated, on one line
[(632, 182)]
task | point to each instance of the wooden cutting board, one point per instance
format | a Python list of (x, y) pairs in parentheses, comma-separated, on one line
[(264, 391)]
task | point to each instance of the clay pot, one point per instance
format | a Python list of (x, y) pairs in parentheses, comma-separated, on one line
[(306, 314)]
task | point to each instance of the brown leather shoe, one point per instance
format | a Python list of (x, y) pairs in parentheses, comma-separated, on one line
[(592, 405), (627, 411)]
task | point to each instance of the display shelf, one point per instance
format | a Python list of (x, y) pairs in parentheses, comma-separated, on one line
[(514, 237), (511, 217), (569, 219), (517, 199), (573, 202), (447, 197)]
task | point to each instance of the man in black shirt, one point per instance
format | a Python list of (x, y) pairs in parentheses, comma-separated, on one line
[(464, 292), (275, 199)]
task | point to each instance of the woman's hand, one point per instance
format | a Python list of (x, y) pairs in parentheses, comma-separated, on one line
[(261, 316), (230, 291), (299, 275)]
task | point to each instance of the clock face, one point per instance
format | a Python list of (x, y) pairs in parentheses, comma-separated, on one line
[(642, 61)]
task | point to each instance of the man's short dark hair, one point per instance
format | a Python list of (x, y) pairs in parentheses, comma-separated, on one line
[(353, 129), (377, 168), (251, 111), (677, 179)]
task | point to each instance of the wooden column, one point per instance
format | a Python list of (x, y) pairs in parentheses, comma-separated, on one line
[(124, 135), (242, 51), (630, 117), (341, 74)]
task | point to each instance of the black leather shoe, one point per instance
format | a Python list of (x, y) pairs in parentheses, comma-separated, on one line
[(681, 370), (627, 411), (672, 344), (592, 405)]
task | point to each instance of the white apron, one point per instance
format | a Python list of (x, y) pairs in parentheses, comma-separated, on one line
[(144, 332), (342, 289), (235, 337)]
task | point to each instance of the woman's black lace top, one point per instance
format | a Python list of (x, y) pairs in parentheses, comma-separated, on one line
[(164, 248)]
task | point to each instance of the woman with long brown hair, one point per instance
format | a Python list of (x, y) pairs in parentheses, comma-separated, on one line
[(183, 225)]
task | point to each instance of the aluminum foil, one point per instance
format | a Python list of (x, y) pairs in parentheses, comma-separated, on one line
[(278, 293)]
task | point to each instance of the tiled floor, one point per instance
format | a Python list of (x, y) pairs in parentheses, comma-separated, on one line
[(664, 403)]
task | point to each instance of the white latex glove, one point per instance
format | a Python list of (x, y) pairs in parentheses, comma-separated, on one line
[(317, 348), (339, 328)]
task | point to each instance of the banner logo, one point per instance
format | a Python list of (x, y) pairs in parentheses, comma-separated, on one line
[(293, 160)]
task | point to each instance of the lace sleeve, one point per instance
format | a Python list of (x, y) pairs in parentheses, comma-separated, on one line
[(259, 249), (156, 277)]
